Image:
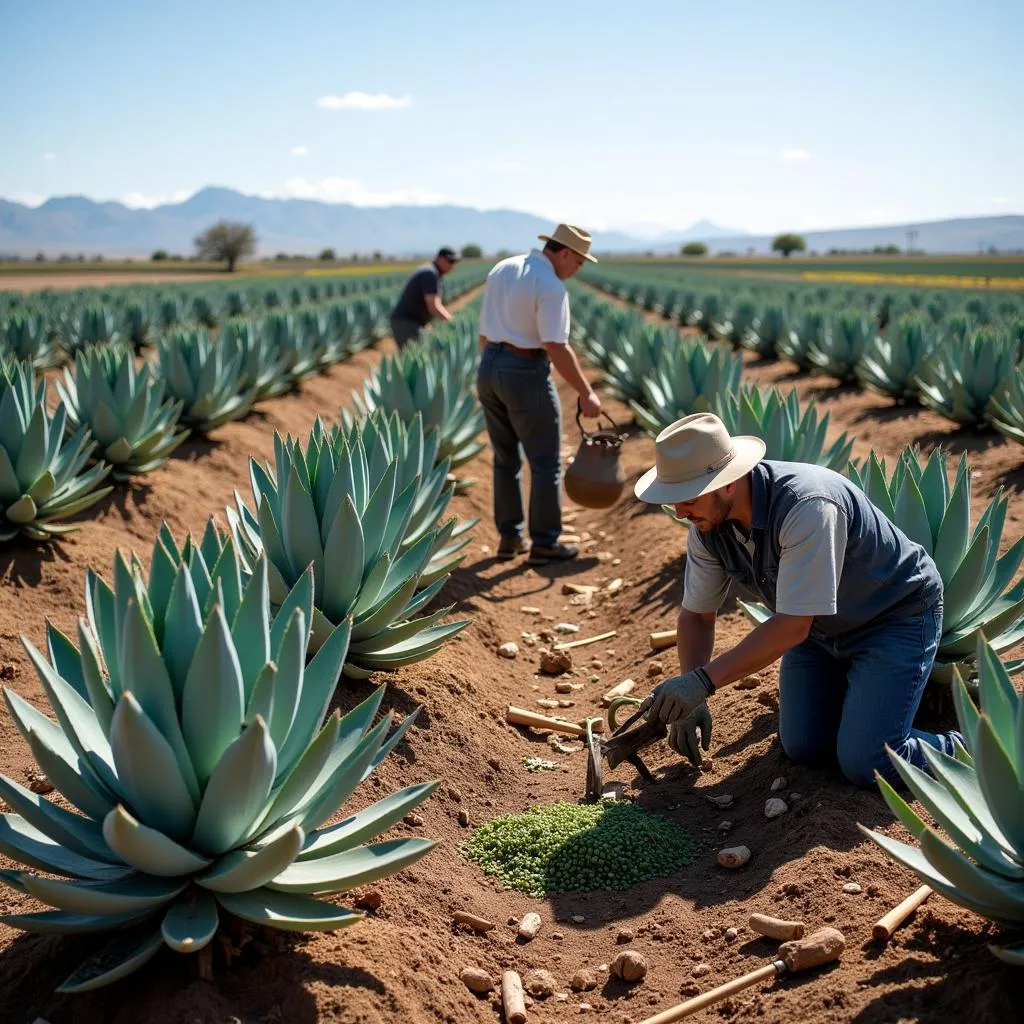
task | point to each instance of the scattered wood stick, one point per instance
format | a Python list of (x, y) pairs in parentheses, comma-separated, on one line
[(512, 998), (521, 716), (587, 640), (477, 924), (775, 928), (885, 926), (579, 588), (666, 638), (619, 690)]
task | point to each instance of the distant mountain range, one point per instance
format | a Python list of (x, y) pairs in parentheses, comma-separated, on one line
[(77, 224)]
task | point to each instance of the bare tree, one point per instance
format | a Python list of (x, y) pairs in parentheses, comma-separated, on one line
[(226, 240)]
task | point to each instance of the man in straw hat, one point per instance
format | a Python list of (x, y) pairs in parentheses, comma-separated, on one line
[(857, 604), (524, 330)]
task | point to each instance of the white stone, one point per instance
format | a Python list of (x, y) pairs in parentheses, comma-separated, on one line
[(530, 925), (509, 650), (567, 627), (774, 807), (780, 783)]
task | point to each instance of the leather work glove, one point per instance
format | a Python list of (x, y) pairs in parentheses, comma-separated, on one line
[(682, 735), (677, 697)]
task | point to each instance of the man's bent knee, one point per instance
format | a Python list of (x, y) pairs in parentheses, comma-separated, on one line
[(859, 765), (801, 749)]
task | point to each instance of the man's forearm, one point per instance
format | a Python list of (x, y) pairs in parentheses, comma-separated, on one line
[(762, 647), (695, 639), (565, 362)]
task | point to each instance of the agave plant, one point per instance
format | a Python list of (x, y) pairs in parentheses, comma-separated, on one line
[(977, 799), (792, 434), (205, 378), (893, 362), (768, 331), (795, 344), (362, 510), (687, 379), (427, 380), (134, 425), (1005, 409), (41, 472), (743, 325), (960, 377), (839, 347), (262, 372), (202, 764), (26, 336)]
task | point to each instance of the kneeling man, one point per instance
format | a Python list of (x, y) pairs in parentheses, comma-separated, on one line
[(858, 605)]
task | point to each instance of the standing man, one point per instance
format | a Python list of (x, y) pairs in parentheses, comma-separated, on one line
[(524, 329), (857, 605), (420, 301)]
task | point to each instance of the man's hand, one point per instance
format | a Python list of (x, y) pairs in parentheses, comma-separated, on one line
[(675, 698), (682, 735), (590, 405)]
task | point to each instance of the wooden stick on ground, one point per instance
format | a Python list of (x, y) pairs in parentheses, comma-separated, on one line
[(885, 926), (521, 716), (512, 998), (666, 638), (587, 640)]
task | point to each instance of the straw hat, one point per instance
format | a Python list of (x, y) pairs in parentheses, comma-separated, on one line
[(572, 238), (696, 455)]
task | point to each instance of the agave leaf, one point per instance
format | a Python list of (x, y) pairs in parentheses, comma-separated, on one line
[(148, 850), (1012, 954), (191, 924), (22, 842), (287, 911), (123, 896), (999, 701), (125, 953), (245, 870), (976, 884), (63, 922), (999, 782)]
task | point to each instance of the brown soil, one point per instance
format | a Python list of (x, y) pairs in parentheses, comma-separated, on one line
[(402, 963)]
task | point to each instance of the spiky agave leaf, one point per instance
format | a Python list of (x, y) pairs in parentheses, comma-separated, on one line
[(839, 347), (135, 426), (361, 505), (768, 331), (973, 854), (795, 345), (42, 473), (893, 362), (687, 379), (203, 377), (792, 434), (26, 336), (262, 371), (202, 763), (960, 377), (1005, 409)]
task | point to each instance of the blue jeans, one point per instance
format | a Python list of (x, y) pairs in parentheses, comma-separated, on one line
[(405, 331), (849, 698), (521, 409)]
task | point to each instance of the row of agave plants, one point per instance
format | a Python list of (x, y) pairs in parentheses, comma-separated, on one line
[(201, 768), (968, 368), (663, 376), (50, 328)]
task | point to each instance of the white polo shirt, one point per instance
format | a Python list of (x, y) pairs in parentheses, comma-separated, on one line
[(525, 302)]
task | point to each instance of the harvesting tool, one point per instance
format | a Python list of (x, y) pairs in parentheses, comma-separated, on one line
[(624, 744)]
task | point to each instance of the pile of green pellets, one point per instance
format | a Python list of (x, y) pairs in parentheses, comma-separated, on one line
[(572, 847)]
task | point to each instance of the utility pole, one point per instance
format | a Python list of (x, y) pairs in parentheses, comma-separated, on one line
[(911, 239)]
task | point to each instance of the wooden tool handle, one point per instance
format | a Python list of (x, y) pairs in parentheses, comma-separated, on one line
[(884, 928), (659, 641), (521, 716), (512, 998), (705, 999)]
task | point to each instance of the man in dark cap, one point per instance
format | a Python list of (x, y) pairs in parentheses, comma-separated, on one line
[(420, 301)]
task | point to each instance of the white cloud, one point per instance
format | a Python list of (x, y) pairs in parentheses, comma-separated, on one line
[(364, 101), (299, 151), (142, 201), (32, 199), (49, 155), (794, 155), (351, 190)]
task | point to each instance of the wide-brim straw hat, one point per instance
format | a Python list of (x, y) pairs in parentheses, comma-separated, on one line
[(696, 455), (572, 238)]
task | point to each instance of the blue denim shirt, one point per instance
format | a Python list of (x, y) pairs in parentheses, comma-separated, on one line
[(885, 575)]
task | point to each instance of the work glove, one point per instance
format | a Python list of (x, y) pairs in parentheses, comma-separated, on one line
[(677, 697), (682, 735)]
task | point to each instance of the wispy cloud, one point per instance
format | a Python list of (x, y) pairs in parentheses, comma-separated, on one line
[(364, 101), (352, 190), (143, 201), (49, 155), (299, 151), (794, 155)]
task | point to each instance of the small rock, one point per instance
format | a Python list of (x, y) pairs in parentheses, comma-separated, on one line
[(774, 807), (563, 686), (413, 819), (795, 796), (555, 662), (604, 556), (593, 678), (700, 970), (578, 589), (616, 561), (530, 925), (476, 980), (780, 783), (585, 1007), (596, 663), (567, 627), (602, 968), (851, 888), (623, 936), (557, 936), (629, 965), (655, 668), (370, 900), (529, 609), (731, 934), (618, 690), (561, 997), (38, 782), (509, 650), (725, 826), (463, 817), (584, 980), (563, 703), (724, 801), (733, 856), (494, 763), (615, 585), (539, 983), (578, 919), (709, 934), (688, 989), (547, 702), (748, 683), (454, 794)]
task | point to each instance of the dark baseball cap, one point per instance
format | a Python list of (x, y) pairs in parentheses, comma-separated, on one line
[(448, 254)]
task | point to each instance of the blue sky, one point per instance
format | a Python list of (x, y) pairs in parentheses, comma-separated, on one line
[(758, 115)]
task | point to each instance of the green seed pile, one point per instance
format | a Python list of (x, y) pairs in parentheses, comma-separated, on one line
[(579, 848), (540, 764)]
